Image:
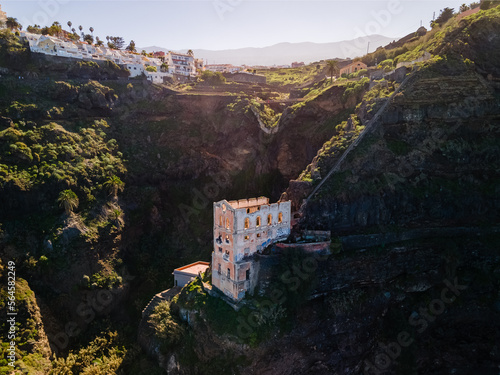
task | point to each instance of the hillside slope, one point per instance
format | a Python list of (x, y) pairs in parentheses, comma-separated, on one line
[(412, 286)]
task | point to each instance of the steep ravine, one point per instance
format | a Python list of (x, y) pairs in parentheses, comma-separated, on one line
[(426, 305), (172, 147)]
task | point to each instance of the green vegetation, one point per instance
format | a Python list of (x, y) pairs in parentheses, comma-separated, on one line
[(13, 53), (448, 36), (166, 327), (102, 356), (151, 68), (332, 67), (266, 114), (33, 156), (213, 78), (68, 200), (443, 17), (104, 280), (354, 89), (56, 149), (30, 359), (294, 76), (262, 315)]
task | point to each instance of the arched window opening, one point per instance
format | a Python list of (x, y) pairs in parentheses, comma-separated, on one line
[(269, 219), (280, 217), (247, 223), (227, 224), (258, 221)]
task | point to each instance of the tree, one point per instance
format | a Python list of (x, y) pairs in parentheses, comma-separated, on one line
[(464, 8), (116, 42), (150, 68), (114, 184), (70, 24), (91, 29), (131, 47), (144, 53), (88, 38), (68, 200), (443, 17), (80, 28), (332, 66), (167, 329), (55, 29), (12, 24), (213, 78), (190, 52), (486, 4), (35, 29), (164, 67)]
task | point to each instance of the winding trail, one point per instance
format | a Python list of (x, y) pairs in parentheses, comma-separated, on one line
[(369, 128)]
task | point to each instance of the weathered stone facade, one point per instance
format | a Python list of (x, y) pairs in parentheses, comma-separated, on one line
[(241, 229)]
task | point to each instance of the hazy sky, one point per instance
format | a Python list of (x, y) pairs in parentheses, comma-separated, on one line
[(227, 24)]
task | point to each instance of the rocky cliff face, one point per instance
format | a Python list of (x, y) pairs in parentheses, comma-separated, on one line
[(427, 304), (32, 349), (408, 308), (181, 151), (432, 159)]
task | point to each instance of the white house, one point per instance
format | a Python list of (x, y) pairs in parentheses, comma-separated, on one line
[(135, 69), (183, 275), (178, 63), (157, 77), (183, 64)]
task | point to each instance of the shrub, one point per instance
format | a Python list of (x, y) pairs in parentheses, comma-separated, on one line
[(165, 326), (213, 78)]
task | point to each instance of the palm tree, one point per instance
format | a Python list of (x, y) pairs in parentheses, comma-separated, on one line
[(12, 23), (91, 29), (332, 66), (190, 52), (70, 24), (74, 30), (114, 184), (68, 200)]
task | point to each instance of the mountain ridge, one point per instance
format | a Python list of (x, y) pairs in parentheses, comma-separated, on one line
[(284, 53)]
